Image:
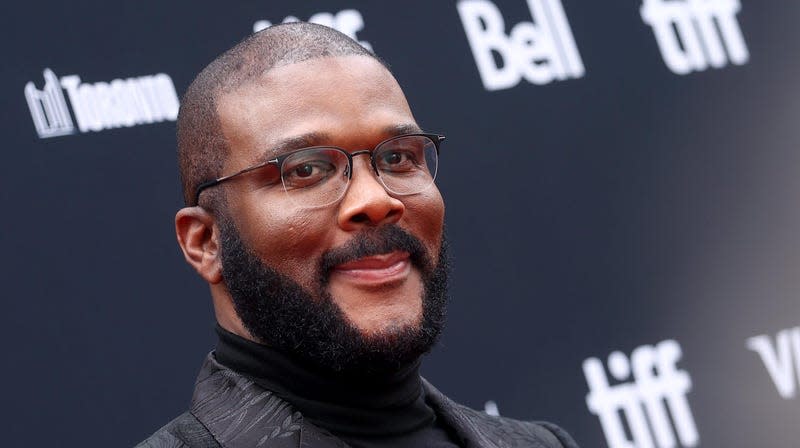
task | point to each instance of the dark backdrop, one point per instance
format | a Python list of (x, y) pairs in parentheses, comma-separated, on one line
[(615, 209)]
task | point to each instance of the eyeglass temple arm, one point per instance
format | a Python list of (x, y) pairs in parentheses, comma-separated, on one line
[(200, 189), (211, 183)]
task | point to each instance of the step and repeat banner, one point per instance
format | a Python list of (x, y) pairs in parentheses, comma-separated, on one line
[(622, 182)]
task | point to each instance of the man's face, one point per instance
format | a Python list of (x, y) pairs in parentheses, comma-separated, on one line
[(351, 102)]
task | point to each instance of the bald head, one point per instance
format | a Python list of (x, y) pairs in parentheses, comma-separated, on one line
[(202, 147)]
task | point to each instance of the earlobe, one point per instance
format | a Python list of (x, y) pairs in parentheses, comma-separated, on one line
[(199, 240)]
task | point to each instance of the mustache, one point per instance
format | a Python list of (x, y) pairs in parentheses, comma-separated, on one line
[(376, 241)]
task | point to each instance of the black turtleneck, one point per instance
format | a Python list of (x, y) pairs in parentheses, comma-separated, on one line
[(384, 411)]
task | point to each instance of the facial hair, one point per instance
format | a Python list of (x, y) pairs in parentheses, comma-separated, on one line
[(310, 326)]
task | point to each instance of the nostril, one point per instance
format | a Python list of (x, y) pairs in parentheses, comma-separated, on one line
[(359, 218)]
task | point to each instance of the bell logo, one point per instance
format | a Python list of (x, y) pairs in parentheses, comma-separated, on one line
[(541, 51), (657, 390), (693, 34)]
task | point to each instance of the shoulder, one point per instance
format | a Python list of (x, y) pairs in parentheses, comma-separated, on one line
[(183, 432), (231, 410), (493, 431), (516, 432)]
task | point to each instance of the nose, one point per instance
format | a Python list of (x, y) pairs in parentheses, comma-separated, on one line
[(366, 202)]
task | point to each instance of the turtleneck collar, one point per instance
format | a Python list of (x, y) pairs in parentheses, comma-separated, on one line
[(373, 406)]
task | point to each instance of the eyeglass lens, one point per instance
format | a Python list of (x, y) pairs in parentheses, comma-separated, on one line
[(319, 176)]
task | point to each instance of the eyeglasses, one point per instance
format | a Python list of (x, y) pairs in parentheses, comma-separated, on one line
[(319, 176)]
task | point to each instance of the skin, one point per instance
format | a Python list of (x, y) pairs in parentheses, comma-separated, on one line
[(351, 102)]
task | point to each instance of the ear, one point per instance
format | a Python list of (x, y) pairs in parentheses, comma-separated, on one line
[(198, 237)]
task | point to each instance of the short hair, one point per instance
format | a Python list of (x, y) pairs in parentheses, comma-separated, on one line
[(202, 149)]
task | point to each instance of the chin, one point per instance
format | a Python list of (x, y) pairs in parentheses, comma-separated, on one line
[(381, 325)]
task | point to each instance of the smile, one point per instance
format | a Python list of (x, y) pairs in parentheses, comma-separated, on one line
[(377, 269)]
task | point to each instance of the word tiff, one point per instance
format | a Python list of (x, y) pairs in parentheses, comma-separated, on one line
[(651, 389), (694, 34)]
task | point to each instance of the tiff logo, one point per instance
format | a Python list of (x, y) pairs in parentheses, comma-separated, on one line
[(347, 21), (541, 51), (694, 34), (651, 389), (48, 107), (781, 359)]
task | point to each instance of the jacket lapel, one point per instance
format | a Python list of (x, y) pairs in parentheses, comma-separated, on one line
[(240, 414), (476, 429), (465, 425)]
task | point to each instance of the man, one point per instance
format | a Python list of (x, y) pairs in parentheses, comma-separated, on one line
[(313, 216)]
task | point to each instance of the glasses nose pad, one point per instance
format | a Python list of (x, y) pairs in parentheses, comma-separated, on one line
[(374, 165)]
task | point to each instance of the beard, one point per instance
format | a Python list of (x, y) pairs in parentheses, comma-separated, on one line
[(310, 326)]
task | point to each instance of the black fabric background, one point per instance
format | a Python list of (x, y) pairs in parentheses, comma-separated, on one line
[(623, 208)]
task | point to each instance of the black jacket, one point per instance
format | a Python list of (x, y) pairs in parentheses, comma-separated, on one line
[(228, 410)]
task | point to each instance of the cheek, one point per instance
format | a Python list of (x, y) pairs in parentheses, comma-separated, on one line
[(290, 242), (425, 217)]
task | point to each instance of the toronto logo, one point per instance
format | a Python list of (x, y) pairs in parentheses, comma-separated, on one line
[(101, 105)]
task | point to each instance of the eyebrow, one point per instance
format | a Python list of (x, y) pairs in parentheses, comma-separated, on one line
[(321, 138), (292, 143), (399, 129)]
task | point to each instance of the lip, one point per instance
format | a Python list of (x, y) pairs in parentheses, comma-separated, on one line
[(376, 269)]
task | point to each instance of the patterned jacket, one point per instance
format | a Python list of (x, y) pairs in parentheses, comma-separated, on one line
[(228, 410)]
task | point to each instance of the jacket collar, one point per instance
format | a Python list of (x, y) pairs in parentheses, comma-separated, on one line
[(464, 421), (239, 414), (479, 430)]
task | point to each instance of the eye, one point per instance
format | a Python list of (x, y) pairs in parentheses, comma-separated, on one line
[(397, 160), (307, 173), (305, 170), (309, 168)]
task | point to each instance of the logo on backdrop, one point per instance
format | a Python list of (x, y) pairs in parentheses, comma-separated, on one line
[(694, 34), (782, 359), (99, 106), (541, 51), (650, 389), (347, 21)]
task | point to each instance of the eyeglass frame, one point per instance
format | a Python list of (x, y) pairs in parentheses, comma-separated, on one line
[(437, 140)]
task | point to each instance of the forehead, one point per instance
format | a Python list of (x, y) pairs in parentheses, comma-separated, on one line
[(348, 101)]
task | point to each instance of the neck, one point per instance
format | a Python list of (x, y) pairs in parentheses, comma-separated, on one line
[(391, 402)]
